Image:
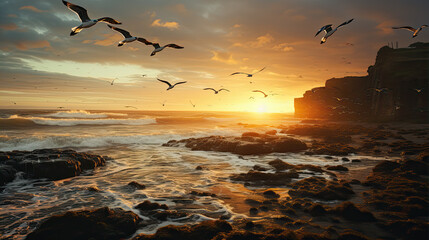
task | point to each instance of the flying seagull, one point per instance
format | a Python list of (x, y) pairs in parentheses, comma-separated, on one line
[(418, 90), (415, 31), (127, 37), (163, 103), (60, 107), (329, 31), (112, 81), (158, 48), (86, 21), (169, 84), (265, 95), (216, 92), (248, 74), (131, 107), (144, 75), (380, 90), (193, 105)]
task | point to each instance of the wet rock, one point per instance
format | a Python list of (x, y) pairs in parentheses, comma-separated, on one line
[(253, 211), (93, 189), (102, 223), (202, 194), (356, 160), (271, 194), (345, 159), (418, 167), (317, 210), (350, 212), (259, 168), (7, 174), (148, 206), (53, 164), (136, 185), (409, 229), (202, 231), (337, 168), (253, 202), (260, 178), (279, 165), (199, 168), (249, 144), (386, 166), (320, 188), (168, 215)]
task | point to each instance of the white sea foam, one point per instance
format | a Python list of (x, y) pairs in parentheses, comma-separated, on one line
[(31, 143), (82, 114), (88, 121)]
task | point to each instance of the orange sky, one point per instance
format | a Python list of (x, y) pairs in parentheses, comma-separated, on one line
[(43, 67)]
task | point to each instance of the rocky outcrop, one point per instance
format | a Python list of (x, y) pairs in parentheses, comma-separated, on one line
[(102, 223), (249, 143), (54, 164), (396, 88)]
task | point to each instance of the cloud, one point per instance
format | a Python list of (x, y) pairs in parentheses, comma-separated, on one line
[(259, 42), (169, 25), (385, 27), (31, 8), (283, 47), (9, 26), (236, 25), (24, 45), (223, 57)]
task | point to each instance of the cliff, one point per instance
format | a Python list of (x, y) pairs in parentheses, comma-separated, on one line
[(395, 89)]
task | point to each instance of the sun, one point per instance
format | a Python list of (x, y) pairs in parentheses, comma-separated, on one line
[(261, 108)]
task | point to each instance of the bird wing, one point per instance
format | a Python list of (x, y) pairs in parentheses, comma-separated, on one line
[(108, 20), (179, 83), (223, 89), (260, 92), (164, 82), (80, 11), (172, 45), (124, 33), (323, 28), (239, 73), (143, 40), (345, 23), (406, 27), (260, 70), (423, 26), (210, 89), (156, 45)]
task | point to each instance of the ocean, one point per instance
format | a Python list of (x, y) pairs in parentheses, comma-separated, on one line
[(133, 139)]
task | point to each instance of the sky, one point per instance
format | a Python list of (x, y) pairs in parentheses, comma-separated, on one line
[(42, 67)]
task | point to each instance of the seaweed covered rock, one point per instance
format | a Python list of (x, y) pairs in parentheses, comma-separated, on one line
[(102, 223)]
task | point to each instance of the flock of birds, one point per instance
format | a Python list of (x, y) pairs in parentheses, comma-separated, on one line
[(87, 22)]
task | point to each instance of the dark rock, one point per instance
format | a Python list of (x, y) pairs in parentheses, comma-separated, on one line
[(7, 174), (337, 168), (317, 210), (202, 231), (386, 166), (148, 206), (320, 188), (53, 164), (271, 194), (345, 159), (253, 202), (356, 160), (199, 168), (93, 189), (168, 214), (350, 212), (249, 225), (259, 168), (260, 178), (253, 211), (415, 166), (409, 229), (202, 194), (102, 223), (136, 185)]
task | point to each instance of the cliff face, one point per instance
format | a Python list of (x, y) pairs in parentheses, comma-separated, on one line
[(395, 89)]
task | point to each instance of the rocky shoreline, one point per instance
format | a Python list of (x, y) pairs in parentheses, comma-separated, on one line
[(53, 164), (345, 199)]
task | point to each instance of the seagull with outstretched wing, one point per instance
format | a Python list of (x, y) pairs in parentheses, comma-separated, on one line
[(248, 74), (415, 31), (86, 21), (216, 91), (329, 31), (169, 84), (158, 48), (127, 37)]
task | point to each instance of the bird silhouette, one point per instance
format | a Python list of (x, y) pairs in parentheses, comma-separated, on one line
[(248, 74), (216, 91), (169, 84)]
